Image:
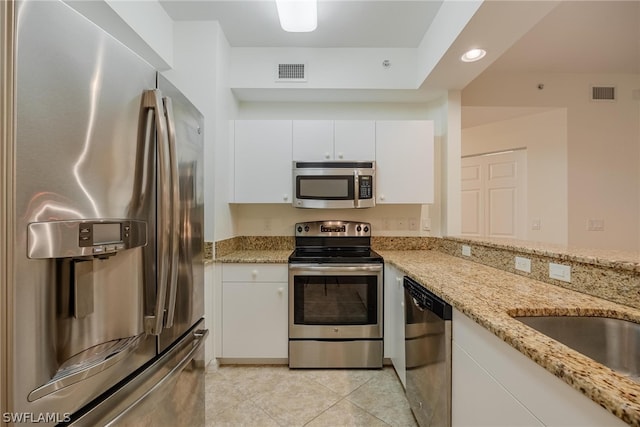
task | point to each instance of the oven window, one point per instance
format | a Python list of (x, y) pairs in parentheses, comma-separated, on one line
[(325, 187), (335, 300)]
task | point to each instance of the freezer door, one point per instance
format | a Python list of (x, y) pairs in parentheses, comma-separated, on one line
[(185, 295), (81, 157), (168, 392)]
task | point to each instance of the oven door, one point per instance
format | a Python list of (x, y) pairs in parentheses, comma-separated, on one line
[(335, 301)]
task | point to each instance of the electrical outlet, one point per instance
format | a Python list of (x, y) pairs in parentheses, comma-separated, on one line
[(401, 224), (523, 264), (560, 272), (595, 225), (535, 224), (466, 250), (413, 224)]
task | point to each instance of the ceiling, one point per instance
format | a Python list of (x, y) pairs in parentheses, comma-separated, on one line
[(577, 36), (341, 23), (591, 36)]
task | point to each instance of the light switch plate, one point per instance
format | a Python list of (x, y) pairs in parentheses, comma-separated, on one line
[(523, 264), (560, 272)]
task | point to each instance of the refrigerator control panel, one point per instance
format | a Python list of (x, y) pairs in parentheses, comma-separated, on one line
[(69, 239)]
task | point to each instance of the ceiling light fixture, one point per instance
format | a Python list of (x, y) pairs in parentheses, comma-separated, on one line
[(473, 55), (298, 16)]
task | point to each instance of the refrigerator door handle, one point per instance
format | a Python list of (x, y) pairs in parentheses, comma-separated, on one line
[(175, 215), (153, 322)]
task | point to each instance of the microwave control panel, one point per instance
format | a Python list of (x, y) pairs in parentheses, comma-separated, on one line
[(366, 187)]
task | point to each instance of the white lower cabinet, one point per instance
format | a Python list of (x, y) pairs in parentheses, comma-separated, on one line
[(394, 321), (494, 384), (254, 311)]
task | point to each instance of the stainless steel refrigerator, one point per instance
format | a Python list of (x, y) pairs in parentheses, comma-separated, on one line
[(101, 229)]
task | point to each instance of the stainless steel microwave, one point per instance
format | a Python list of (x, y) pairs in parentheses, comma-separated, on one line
[(337, 185)]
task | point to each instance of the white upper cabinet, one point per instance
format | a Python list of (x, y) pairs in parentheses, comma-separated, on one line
[(318, 140), (404, 162), (262, 161), (354, 140), (312, 140), (263, 151)]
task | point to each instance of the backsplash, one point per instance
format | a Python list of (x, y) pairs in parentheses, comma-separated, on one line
[(616, 279), (613, 279)]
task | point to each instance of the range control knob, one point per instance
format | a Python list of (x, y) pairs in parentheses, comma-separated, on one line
[(299, 229), (366, 229), (358, 228), (306, 228)]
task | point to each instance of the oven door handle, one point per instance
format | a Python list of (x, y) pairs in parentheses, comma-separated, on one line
[(336, 267)]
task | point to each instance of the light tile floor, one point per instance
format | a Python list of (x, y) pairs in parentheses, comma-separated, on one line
[(267, 395)]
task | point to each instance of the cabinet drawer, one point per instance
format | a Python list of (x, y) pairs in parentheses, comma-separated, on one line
[(255, 273)]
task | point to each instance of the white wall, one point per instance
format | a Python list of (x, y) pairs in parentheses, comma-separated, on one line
[(603, 147), (356, 68), (143, 26), (450, 163), (192, 74), (544, 135)]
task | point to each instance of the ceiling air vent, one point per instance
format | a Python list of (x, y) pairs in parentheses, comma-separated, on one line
[(603, 93), (291, 73)]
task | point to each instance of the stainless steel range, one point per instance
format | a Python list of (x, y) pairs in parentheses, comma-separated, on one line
[(335, 297)]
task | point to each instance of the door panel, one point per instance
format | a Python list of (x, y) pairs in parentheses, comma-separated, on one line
[(189, 301), (501, 212), (494, 196), (472, 213)]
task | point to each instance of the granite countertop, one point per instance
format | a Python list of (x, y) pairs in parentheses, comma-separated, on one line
[(278, 256), (491, 297), (619, 259)]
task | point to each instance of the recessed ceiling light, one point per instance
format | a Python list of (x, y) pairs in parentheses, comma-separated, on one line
[(298, 16), (473, 55)]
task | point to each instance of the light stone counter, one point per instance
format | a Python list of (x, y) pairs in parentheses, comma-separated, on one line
[(621, 260), (277, 256), (491, 297)]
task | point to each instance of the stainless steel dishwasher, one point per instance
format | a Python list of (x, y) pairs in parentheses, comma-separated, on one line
[(428, 355)]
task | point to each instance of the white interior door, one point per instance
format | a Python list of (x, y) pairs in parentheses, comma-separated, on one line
[(494, 199)]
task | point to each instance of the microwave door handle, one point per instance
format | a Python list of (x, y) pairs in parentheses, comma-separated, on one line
[(356, 188), (153, 322)]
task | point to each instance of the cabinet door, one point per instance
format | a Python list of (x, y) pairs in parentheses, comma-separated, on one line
[(493, 382), (394, 321), (312, 140), (254, 320), (405, 162), (262, 161), (354, 140), (478, 399)]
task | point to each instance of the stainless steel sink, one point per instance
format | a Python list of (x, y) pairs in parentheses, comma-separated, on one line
[(614, 343)]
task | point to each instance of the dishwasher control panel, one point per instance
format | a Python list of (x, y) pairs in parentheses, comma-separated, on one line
[(427, 300)]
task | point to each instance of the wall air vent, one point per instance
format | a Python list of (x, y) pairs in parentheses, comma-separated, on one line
[(603, 93), (291, 73)]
